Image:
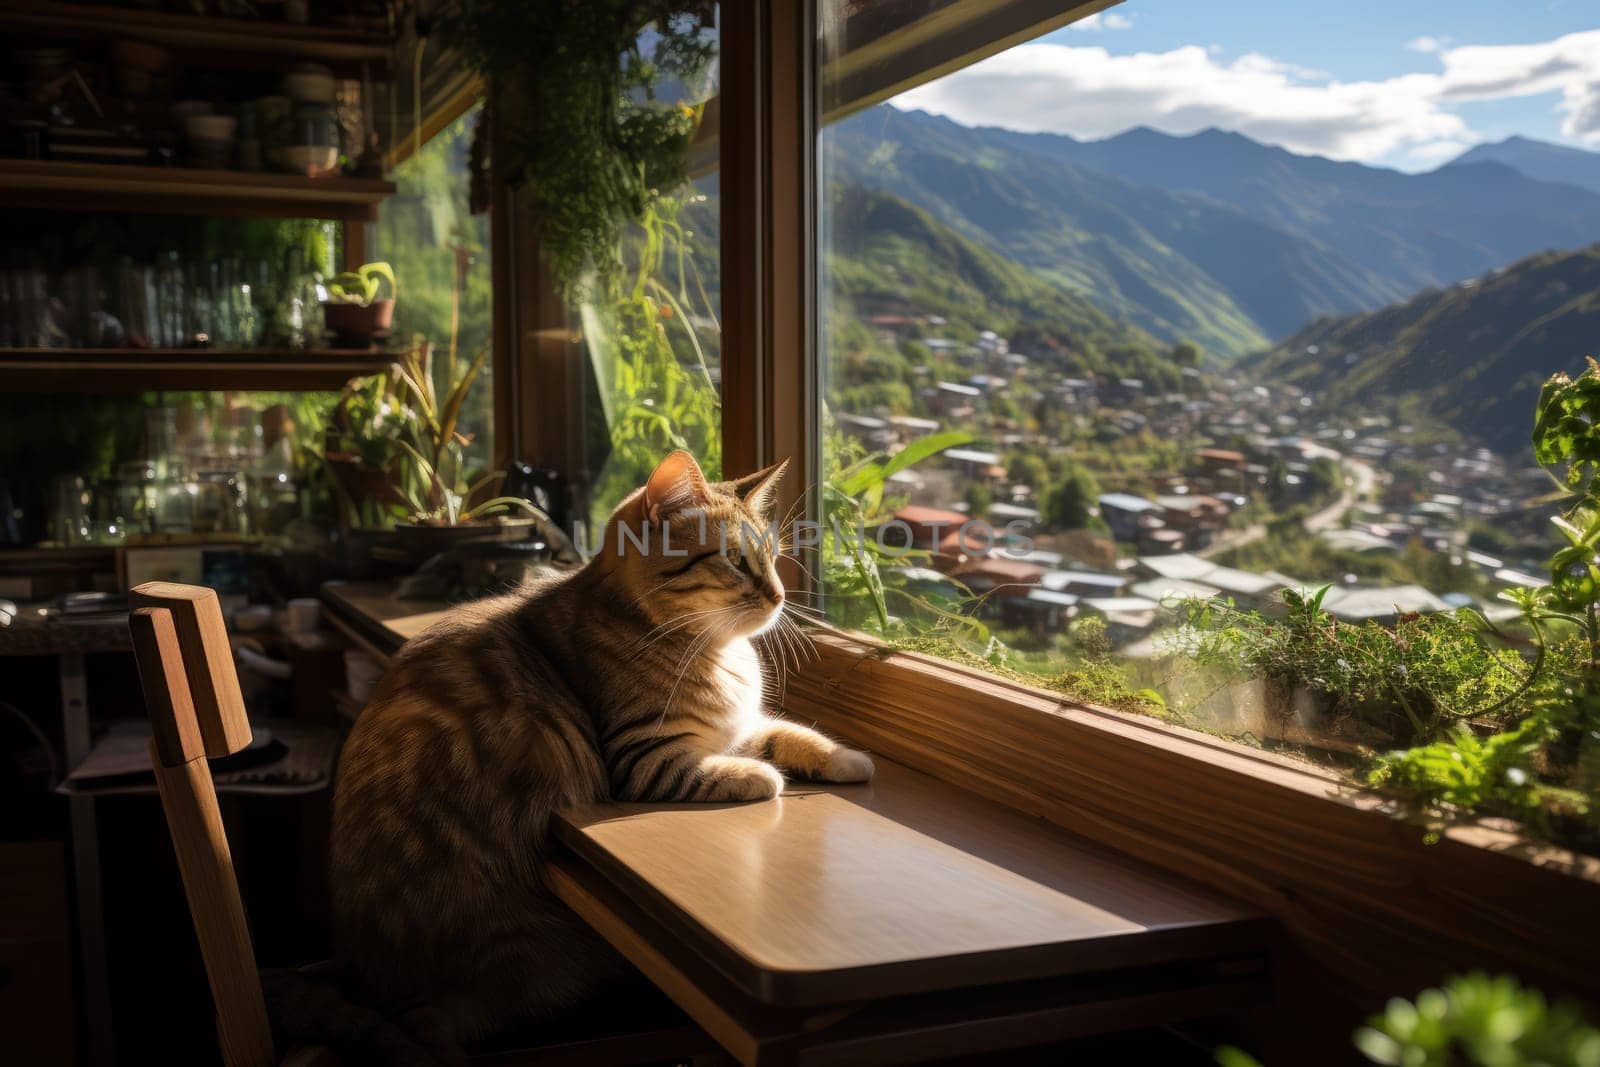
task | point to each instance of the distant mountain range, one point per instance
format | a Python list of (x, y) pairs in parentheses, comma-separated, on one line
[(1214, 237), (1474, 355), (1539, 159)]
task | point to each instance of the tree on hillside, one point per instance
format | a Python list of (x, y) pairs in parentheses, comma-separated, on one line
[(1029, 469), (1070, 503), (980, 498)]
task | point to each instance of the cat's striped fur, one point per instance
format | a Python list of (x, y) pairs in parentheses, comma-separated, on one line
[(633, 678)]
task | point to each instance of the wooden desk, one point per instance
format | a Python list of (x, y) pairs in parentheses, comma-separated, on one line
[(895, 921), (374, 619)]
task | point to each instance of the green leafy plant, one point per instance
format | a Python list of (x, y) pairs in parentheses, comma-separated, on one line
[(582, 129), (852, 502), (1482, 1020), (1472, 1019), (1415, 680), (652, 352), (362, 285), (398, 455), (1493, 773)]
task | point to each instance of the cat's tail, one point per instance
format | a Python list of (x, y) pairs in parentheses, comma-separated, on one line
[(309, 1007)]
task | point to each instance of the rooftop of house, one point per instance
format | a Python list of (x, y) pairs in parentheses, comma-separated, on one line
[(1245, 583), (1353, 540), (972, 455), (1188, 502), (1185, 566), (1125, 502), (1000, 569), (1181, 565), (1163, 590), (1008, 512), (919, 515), (1383, 602), (912, 422), (1053, 597), (1087, 579), (1122, 605)]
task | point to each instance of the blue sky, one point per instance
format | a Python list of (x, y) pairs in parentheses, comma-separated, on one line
[(1406, 83)]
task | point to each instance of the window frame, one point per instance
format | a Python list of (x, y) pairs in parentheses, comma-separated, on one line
[(1370, 908)]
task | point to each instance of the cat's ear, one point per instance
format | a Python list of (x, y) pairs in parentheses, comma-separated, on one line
[(758, 489), (677, 483)]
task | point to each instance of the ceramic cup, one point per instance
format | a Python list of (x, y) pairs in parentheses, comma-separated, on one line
[(303, 615)]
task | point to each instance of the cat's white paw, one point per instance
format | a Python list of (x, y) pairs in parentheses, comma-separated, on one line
[(847, 765), (760, 782)]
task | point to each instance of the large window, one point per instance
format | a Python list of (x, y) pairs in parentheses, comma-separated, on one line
[(1188, 365), (651, 339)]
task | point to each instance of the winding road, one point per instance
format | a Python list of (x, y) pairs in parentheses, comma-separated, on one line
[(1359, 481)]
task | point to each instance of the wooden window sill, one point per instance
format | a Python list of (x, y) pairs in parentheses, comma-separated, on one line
[(1359, 890), (1370, 907)]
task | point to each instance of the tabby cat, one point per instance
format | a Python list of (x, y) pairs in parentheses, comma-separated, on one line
[(633, 678)]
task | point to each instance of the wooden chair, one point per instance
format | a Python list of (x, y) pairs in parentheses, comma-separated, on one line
[(197, 712)]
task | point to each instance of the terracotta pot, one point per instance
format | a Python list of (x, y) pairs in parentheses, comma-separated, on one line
[(354, 326)]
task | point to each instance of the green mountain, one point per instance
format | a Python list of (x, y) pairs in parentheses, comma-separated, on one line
[(1214, 237), (1474, 354), (890, 258), (1108, 240), (1539, 159)]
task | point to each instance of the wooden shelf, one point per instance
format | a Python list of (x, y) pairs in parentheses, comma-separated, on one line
[(204, 40), (183, 191), (134, 370)]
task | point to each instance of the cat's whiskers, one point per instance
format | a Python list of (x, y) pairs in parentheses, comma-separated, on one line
[(804, 645), (696, 647), (803, 568), (781, 665), (775, 688), (791, 658), (802, 639), (677, 622)]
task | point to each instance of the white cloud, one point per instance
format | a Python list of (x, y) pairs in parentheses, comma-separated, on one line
[(1088, 92), (1427, 45), (1102, 20)]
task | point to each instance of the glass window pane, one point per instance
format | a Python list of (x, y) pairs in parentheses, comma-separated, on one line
[(440, 254), (651, 352), (1185, 364)]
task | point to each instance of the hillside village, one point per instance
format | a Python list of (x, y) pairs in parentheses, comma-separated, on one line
[(1247, 460)]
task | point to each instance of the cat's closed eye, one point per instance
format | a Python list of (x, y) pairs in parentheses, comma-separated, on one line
[(691, 562)]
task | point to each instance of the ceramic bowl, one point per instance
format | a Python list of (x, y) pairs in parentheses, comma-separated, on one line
[(309, 87), (314, 161)]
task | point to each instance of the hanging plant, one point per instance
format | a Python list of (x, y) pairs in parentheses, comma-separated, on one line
[(581, 126)]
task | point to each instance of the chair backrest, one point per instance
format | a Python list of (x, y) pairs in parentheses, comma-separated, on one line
[(196, 710)]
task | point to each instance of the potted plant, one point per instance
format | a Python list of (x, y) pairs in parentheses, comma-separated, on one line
[(446, 502), (397, 457), (353, 312)]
